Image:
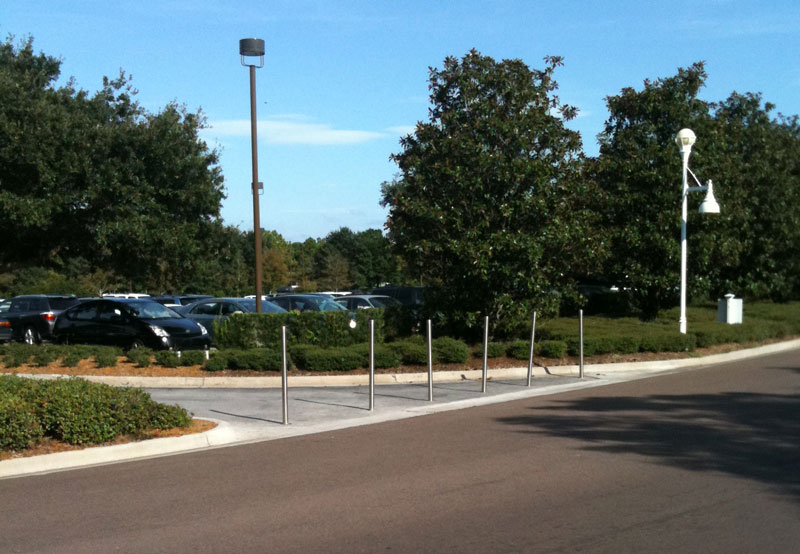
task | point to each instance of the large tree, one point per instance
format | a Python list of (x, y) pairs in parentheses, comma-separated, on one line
[(488, 209), (639, 173), (751, 247), (99, 178)]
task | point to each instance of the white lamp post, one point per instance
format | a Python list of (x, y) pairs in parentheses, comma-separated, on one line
[(685, 140)]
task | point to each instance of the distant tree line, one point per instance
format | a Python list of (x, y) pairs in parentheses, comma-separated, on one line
[(496, 208)]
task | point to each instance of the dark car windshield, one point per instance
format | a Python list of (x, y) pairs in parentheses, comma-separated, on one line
[(62, 303), (384, 302), (328, 305), (151, 310)]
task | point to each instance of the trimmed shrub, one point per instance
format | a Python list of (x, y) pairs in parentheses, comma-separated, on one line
[(80, 412), (332, 359), (244, 331), (299, 354), (141, 357), (44, 356), (192, 357), (74, 354), (493, 350), (167, 358), (519, 349), (450, 351), (668, 341), (411, 352), (218, 361), (257, 359), (385, 357), (551, 348), (18, 354), (106, 356), (19, 428)]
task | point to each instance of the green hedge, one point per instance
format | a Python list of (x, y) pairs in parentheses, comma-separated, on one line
[(256, 359), (77, 412), (317, 328)]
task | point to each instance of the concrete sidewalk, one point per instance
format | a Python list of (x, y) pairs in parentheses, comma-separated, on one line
[(249, 409)]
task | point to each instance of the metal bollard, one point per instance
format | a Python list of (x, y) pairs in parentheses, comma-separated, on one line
[(530, 357), (371, 364), (485, 353), (580, 317), (284, 377), (430, 362)]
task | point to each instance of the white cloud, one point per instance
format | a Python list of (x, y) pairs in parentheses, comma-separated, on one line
[(292, 130), (402, 129)]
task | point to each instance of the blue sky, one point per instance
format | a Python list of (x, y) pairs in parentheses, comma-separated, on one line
[(342, 81)]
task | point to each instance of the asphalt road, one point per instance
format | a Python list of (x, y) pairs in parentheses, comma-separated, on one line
[(705, 461)]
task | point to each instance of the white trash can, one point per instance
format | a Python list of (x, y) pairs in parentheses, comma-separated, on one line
[(729, 309)]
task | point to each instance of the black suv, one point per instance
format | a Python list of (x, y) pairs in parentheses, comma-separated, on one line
[(32, 316)]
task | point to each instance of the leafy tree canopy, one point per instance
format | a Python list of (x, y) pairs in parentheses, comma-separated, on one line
[(490, 191)]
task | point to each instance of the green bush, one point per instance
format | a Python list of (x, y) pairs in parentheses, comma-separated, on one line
[(79, 412), (167, 358), (385, 357), (450, 351), (333, 359), (44, 356), (519, 349), (218, 361), (19, 428), (192, 357), (244, 331), (17, 354), (74, 354), (141, 357), (493, 350), (106, 356), (411, 352), (668, 341), (551, 348), (257, 359)]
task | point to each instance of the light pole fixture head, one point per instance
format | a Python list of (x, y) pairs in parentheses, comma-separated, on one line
[(252, 47), (685, 140), (709, 204)]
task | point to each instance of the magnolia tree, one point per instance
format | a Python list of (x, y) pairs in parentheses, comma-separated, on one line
[(488, 210)]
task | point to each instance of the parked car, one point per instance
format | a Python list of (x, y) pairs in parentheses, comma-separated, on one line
[(408, 296), (174, 301), (129, 323), (5, 325), (366, 301), (30, 317), (307, 302), (211, 310), (126, 295)]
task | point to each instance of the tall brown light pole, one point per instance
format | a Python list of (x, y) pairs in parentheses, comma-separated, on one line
[(254, 47)]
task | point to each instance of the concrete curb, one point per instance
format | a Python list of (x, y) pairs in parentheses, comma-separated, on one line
[(416, 378), (224, 433)]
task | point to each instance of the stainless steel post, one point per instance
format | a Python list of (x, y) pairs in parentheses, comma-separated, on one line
[(430, 362), (580, 317), (485, 353), (284, 377), (530, 356), (371, 364)]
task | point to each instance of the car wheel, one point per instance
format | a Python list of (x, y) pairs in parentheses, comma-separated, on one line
[(30, 336), (136, 343)]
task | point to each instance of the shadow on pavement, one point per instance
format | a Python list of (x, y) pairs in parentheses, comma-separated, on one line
[(244, 416), (754, 436)]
